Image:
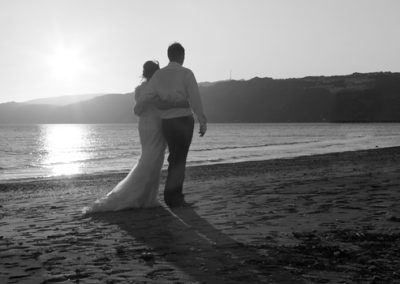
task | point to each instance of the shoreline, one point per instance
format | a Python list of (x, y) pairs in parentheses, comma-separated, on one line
[(331, 218), (222, 164)]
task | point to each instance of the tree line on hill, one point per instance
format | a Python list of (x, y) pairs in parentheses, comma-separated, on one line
[(370, 97)]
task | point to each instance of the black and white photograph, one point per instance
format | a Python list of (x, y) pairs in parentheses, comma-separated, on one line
[(199, 141)]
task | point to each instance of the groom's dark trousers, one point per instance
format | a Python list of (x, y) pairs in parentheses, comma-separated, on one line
[(178, 133)]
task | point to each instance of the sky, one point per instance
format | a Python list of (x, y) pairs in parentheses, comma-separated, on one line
[(51, 48)]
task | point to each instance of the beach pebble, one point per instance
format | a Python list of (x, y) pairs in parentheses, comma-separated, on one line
[(102, 259), (393, 218), (36, 254), (18, 276), (147, 256), (120, 250), (362, 259), (33, 268)]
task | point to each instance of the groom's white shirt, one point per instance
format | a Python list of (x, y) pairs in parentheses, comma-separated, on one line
[(175, 82)]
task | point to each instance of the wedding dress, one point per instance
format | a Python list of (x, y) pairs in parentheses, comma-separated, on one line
[(139, 189)]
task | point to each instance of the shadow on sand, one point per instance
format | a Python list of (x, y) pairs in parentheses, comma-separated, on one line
[(189, 242)]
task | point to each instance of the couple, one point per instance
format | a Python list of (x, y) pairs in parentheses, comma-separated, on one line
[(164, 103)]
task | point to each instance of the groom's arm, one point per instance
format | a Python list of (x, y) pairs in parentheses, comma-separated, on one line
[(196, 104)]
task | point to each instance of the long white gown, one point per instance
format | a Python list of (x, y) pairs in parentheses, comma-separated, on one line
[(139, 189)]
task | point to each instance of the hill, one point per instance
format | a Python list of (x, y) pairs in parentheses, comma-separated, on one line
[(371, 97), (63, 100), (111, 108)]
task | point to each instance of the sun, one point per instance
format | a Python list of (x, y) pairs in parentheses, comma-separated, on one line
[(66, 63)]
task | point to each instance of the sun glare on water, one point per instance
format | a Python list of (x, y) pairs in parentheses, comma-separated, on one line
[(63, 145)]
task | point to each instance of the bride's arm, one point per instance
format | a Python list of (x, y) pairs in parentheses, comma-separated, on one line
[(165, 104), (168, 101), (141, 105), (144, 96), (171, 100), (160, 104)]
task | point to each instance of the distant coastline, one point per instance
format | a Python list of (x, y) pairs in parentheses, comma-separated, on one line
[(369, 97)]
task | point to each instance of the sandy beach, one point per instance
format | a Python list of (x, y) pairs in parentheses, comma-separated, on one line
[(331, 218)]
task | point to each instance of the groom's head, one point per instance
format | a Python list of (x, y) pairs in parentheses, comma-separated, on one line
[(176, 53)]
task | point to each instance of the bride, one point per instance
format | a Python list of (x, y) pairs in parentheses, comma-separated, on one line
[(139, 189)]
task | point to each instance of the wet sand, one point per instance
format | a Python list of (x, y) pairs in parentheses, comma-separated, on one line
[(331, 218)]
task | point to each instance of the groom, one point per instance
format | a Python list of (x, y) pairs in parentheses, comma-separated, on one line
[(178, 123)]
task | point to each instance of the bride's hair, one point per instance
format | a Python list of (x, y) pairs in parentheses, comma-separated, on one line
[(149, 68)]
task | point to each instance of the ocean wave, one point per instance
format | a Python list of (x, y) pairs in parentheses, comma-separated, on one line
[(13, 168), (252, 146), (12, 152), (207, 161), (88, 160), (227, 159)]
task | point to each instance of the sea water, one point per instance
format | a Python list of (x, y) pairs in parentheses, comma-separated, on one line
[(36, 151)]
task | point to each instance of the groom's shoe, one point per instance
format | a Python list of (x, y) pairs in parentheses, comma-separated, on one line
[(181, 204), (178, 202)]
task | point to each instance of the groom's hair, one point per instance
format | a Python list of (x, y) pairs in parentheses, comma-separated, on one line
[(175, 51)]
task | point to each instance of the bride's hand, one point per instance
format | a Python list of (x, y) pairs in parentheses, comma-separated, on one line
[(138, 108)]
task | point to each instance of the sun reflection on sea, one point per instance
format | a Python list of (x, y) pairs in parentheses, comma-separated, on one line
[(63, 145)]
